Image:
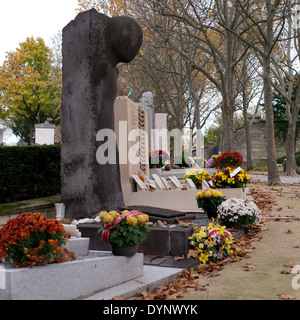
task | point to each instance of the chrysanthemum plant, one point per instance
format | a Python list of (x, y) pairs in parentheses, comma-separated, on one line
[(129, 227), (197, 175), (212, 243), (31, 239), (209, 200), (239, 211)]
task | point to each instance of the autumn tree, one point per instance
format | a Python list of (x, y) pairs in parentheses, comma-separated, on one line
[(30, 85), (177, 87), (286, 79), (263, 24)]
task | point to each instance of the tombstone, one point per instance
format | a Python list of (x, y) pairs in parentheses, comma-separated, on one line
[(93, 45), (158, 182), (160, 120), (44, 133), (166, 183), (140, 184), (131, 127), (175, 185), (21, 143), (190, 184)]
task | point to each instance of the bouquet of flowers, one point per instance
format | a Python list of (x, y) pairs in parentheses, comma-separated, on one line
[(197, 175), (239, 211), (212, 243), (230, 158), (31, 239), (127, 228), (222, 178), (209, 200), (158, 158)]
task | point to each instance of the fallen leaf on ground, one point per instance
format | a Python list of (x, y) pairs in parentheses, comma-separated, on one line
[(289, 265), (118, 298), (289, 231), (286, 296), (285, 272), (248, 267), (156, 256), (179, 258)]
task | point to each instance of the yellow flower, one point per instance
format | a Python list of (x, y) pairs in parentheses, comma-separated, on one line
[(142, 218), (132, 221), (125, 211), (203, 258), (102, 214), (207, 194), (108, 218)]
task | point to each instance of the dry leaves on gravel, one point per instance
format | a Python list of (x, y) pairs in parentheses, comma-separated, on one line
[(186, 282)]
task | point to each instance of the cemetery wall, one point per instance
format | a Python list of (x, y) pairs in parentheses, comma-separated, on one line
[(258, 137)]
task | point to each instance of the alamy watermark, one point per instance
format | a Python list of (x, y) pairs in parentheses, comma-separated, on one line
[(295, 284), (133, 145)]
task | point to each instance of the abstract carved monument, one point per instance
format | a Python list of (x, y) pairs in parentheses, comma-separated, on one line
[(93, 45)]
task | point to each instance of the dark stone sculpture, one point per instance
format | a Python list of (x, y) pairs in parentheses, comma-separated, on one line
[(93, 45)]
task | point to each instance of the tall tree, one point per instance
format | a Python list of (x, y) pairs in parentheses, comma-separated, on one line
[(30, 86), (263, 25), (286, 80)]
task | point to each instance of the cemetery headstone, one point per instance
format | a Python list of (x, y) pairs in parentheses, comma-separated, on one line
[(93, 45), (44, 133), (158, 182)]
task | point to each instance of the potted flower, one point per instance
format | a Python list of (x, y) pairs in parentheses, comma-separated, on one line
[(230, 158), (209, 200), (197, 175), (124, 231), (223, 178), (31, 239), (212, 243), (238, 212)]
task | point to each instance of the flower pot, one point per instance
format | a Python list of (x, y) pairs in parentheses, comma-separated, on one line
[(211, 214), (126, 250)]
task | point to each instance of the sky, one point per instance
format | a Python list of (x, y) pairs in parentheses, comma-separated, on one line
[(20, 19)]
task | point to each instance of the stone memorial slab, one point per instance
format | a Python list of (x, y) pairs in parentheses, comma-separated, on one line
[(205, 185), (190, 184), (139, 182), (158, 182), (166, 183), (174, 184), (93, 45), (177, 181)]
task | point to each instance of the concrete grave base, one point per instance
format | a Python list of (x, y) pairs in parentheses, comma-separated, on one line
[(69, 280)]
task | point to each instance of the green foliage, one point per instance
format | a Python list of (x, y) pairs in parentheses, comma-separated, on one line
[(30, 84), (282, 160), (29, 172), (127, 234)]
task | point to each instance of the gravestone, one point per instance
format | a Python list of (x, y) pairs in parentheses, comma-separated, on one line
[(131, 126), (93, 45), (44, 133)]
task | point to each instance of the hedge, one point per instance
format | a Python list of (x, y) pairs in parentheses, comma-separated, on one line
[(29, 172)]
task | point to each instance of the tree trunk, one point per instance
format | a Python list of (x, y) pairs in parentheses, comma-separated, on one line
[(228, 127), (248, 144), (273, 174), (290, 146), (31, 130)]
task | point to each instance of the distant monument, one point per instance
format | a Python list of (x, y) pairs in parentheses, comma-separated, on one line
[(93, 45)]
